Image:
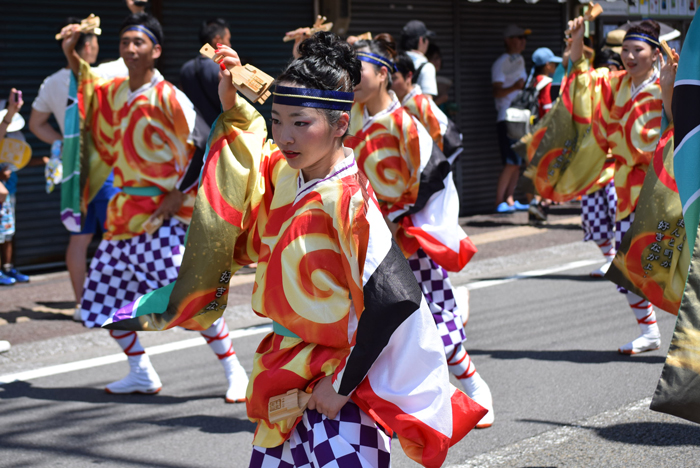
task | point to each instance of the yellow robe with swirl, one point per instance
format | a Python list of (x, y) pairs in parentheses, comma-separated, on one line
[(143, 137), (625, 123)]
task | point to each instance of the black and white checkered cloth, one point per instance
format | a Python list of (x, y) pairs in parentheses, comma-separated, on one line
[(351, 440), (122, 270), (437, 289), (598, 211)]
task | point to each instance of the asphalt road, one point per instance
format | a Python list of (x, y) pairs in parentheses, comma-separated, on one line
[(545, 342)]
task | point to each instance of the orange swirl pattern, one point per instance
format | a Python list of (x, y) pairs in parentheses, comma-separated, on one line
[(629, 126), (419, 107), (310, 250), (388, 153), (144, 140)]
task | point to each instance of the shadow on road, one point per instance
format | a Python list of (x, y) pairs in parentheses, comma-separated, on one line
[(646, 433), (88, 395), (45, 310), (210, 424), (580, 356)]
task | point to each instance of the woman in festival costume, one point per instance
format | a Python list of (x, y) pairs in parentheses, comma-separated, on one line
[(413, 183), (624, 109), (142, 128), (350, 323)]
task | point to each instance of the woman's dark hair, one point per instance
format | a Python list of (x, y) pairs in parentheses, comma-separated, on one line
[(648, 27), (146, 20), (212, 28), (404, 64), (80, 45), (325, 62), (383, 45), (604, 57)]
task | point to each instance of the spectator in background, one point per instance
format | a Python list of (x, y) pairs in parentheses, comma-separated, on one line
[(415, 39), (53, 99), (199, 77), (508, 78), (9, 127), (607, 58)]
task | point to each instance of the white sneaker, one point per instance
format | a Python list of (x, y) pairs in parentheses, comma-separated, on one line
[(142, 378), (77, 315), (237, 379), (650, 340), (477, 389), (600, 272), (4, 346)]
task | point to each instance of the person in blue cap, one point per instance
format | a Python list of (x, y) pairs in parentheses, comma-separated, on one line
[(545, 63)]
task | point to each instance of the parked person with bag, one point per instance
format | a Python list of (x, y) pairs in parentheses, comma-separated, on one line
[(508, 77)]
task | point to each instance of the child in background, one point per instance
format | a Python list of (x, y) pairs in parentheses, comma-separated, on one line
[(9, 127), (545, 63)]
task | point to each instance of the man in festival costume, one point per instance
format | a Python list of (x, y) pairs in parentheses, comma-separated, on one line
[(417, 196), (58, 96), (142, 128), (350, 323), (603, 112)]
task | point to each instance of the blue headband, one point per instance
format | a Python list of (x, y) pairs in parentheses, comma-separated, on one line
[(143, 29), (378, 60), (317, 98), (652, 41)]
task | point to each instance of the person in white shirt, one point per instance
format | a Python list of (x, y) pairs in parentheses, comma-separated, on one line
[(52, 99), (508, 77), (415, 38)]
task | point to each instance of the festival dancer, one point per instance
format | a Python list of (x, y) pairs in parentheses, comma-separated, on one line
[(628, 125), (141, 127), (414, 186), (350, 323), (441, 129)]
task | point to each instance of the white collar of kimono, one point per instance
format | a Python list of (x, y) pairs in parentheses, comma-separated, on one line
[(650, 80), (368, 119), (157, 78), (344, 168), (414, 92)]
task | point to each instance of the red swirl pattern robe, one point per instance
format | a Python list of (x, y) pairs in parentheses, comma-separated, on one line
[(413, 182), (144, 137), (624, 121)]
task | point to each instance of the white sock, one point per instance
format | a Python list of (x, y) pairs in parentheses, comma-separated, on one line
[(129, 342), (607, 247), (460, 364), (644, 312), (218, 339)]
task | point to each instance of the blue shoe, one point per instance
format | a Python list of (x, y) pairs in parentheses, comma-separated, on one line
[(520, 207), (17, 276), (505, 208), (6, 280)]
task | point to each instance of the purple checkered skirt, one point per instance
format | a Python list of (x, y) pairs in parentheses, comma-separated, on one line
[(123, 270), (437, 290), (351, 440), (598, 211)]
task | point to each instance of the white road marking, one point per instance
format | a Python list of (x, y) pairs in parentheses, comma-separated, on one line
[(530, 274), (199, 341), (112, 358)]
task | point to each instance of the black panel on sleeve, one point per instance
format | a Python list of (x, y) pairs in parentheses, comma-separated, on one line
[(391, 295)]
